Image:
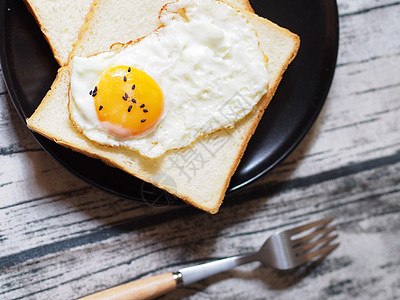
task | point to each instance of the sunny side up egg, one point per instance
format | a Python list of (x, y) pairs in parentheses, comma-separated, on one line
[(201, 71)]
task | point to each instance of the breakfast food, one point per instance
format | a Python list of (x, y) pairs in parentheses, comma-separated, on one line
[(203, 53), (199, 173), (60, 21)]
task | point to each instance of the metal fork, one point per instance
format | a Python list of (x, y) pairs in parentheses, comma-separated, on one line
[(283, 250)]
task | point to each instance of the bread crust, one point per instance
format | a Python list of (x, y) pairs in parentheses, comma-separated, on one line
[(265, 101), (44, 30), (53, 27)]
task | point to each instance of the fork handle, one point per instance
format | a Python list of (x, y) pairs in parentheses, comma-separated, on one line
[(152, 287), (147, 288)]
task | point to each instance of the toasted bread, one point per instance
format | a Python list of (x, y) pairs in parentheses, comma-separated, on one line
[(199, 174)]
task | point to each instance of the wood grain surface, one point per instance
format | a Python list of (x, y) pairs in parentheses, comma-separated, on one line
[(62, 239)]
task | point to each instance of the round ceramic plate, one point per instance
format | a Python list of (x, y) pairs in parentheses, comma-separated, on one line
[(29, 70)]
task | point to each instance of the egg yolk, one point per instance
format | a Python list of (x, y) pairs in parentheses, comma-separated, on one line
[(128, 102)]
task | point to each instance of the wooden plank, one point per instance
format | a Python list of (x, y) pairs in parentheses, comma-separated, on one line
[(362, 216)]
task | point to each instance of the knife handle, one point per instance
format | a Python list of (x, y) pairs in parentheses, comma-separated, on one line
[(147, 288)]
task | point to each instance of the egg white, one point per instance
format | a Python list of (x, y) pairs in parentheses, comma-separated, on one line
[(208, 63)]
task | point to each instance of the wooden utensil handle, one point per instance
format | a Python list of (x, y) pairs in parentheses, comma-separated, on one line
[(147, 288)]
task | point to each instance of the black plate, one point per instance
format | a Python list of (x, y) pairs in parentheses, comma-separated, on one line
[(29, 69)]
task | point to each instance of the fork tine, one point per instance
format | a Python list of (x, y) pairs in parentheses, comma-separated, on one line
[(302, 228), (322, 241), (324, 251), (324, 232)]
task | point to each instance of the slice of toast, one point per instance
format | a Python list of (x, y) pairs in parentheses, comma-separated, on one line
[(60, 21), (128, 18), (199, 174)]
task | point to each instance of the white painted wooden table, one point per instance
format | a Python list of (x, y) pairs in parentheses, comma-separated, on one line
[(62, 239)]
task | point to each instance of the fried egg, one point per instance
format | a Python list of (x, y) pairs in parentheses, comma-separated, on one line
[(201, 71)]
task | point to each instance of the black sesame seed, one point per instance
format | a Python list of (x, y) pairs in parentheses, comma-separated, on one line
[(125, 97), (90, 93), (145, 110), (133, 100), (130, 108), (141, 106), (125, 78), (133, 86), (95, 89), (101, 107), (94, 94), (143, 120), (129, 69)]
